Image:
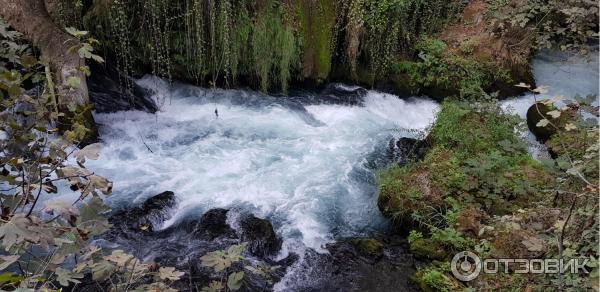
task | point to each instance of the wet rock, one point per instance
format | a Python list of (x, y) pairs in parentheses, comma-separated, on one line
[(406, 149), (535, 114), (343, 94), (368, 246), (108, 94), (147, 217), (183, 244), (213, 224), (261, 238), (348, 268)]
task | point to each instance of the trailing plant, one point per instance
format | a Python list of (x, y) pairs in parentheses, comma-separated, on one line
[(390, 28)]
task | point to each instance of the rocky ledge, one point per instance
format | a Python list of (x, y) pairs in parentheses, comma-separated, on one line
[(353, 264)]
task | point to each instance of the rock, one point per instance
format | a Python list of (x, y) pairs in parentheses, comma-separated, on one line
[(213, 224), (427, 248), (261, 238), (146, 218), (535, 114), (407, 149), (368, 246), (183, 244), (108, 95), (346, 267), (336, 93)]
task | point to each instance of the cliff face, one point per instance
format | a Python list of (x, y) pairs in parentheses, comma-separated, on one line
[(273, 44)]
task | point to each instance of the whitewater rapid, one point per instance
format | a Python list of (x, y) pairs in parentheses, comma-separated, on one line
[(303, 162), (306, 166)]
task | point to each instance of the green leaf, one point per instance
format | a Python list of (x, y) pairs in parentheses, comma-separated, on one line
[(217, 260), (214, 286), (554, 114), (119, 257), (90, 152), (73, 81), (64, 276), (169, 273), (102, 270), (97, 58), (10, 278), (234, 281), (21, 229), (542, 123), (75, 32)]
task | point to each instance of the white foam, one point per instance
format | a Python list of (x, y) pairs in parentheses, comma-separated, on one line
[(309, 179)]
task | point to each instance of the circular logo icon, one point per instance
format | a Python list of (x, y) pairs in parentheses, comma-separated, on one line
[(465, 266)]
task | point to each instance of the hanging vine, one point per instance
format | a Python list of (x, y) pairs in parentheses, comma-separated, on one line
[(119, 26), (156, 15)]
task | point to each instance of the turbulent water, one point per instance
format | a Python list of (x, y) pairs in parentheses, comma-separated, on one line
[(303, 162), (565, 75), (308, 167)]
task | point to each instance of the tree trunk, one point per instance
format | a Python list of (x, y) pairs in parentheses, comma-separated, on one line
[(33, 19)]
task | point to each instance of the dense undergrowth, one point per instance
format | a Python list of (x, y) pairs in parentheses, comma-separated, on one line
[(479, 189)]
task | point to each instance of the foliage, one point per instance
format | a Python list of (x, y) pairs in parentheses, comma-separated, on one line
[(390, 28), (436, 278), (437, 67), (479, 189), (47, 247), (223, 262), (567, 25)]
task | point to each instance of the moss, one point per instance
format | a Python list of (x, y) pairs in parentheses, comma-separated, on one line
[(427, 248), (435, 278), (368, 246), (408, 194), (476, 167), (316, 22)]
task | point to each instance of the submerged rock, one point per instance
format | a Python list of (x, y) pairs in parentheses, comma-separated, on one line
[(342, 94)]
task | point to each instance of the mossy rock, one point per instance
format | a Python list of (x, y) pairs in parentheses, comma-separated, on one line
[(316, 24), (535, 114), (418, 187), (368, 246), (427, 248)]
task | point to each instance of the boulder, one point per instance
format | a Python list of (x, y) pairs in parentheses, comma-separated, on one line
[(535, 114), (336, 93), (212, 225), (108, 95), (146, 218), (408, 149), (262, 239)]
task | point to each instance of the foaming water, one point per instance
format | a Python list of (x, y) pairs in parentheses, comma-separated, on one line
[(308, 168)]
